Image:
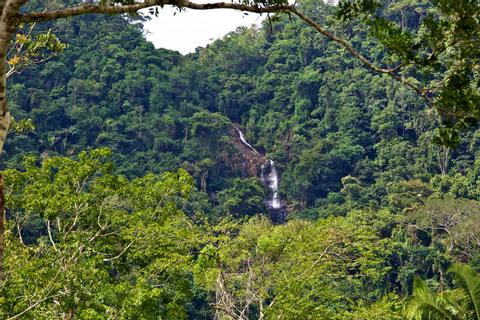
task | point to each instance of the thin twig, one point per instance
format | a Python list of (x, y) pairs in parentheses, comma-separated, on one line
[(50, 235), (120, 254), (31, 307)]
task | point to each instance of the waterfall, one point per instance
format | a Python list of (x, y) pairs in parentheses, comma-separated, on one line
[(245, 142), (270, 178)]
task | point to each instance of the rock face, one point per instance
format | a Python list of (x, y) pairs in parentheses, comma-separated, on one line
[(251, 159), (257, 164)]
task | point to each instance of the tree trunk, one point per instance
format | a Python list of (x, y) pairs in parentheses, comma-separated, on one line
[(2, 228), (4, 125), (203, 181), (443, 157), (70, 314), (6, 29)]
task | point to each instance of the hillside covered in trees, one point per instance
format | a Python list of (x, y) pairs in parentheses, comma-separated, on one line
[(137, 196)]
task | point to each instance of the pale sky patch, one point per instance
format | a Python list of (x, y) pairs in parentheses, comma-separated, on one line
[(190, 29)]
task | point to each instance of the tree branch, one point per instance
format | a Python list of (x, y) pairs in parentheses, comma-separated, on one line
[(10, 10), (358, 55), (50, 235), (119, 9), (31, 307), (120, 254), (19, 230)]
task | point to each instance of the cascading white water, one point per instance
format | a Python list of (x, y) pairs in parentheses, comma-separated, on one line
[(245, 142), (270, 179)]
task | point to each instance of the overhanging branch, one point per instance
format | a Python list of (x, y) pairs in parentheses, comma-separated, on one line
[(119, 9), (391, 71)]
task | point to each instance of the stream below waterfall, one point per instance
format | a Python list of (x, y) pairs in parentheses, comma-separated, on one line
[(270, 178)]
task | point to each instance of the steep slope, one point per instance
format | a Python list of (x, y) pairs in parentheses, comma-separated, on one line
[(340, 136)]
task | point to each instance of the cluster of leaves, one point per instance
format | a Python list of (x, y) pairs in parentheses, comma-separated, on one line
[(31, 48), (439, 40), (298, 270), (88, 243), (85, 243)]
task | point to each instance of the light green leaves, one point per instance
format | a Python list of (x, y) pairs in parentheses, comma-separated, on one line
[(97, 245)]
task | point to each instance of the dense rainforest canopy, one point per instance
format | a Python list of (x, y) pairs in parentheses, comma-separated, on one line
[(132, 197)]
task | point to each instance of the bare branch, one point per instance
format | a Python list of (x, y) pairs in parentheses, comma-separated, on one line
[(19, 231), (50, 235), (18, 315), (120, 254), (74, 223), (119, 9)]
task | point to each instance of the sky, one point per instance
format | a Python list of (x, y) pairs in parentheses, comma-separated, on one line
[(190, 29)]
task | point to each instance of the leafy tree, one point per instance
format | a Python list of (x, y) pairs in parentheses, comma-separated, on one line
[(105, 247), (342, 138), (451, 222), (245, 197), (297, 270), (390, 307)]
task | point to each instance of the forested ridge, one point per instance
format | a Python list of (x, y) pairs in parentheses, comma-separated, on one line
[(133, 197)]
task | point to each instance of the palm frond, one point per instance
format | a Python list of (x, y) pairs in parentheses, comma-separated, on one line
[(469, 281), (425, 305)]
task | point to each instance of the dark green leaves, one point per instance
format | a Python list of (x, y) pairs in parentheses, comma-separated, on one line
[(350, 9), (437, 44)]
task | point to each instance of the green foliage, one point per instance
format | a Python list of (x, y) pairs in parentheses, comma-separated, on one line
[(32, 48), (313, 109), (462, 303), (245, 197), (355, 151), (390, 307), (301, 269), (439, 40), (106, 247)]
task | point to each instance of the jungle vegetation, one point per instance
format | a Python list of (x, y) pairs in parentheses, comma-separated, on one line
[(127, 198)]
